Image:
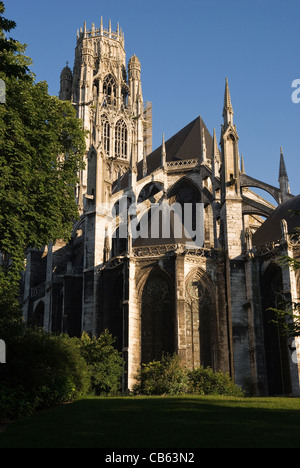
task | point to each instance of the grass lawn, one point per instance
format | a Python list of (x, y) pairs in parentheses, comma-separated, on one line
[(161, 422)]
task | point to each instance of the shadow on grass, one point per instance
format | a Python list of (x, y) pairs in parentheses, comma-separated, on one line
[(183, 422)]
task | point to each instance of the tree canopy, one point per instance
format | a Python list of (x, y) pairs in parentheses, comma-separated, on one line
[(42, 143)]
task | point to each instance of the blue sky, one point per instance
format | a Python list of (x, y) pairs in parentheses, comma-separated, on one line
[(186, 49)]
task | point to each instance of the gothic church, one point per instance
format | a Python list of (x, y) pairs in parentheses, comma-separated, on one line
[(208, 303)]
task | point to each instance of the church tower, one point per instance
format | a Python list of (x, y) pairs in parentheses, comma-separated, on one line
[(108, 97)]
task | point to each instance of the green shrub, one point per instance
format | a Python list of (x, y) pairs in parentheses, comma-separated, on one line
[(204, 381), (104, 362), (168, 376), (162, 377), (41, 371)]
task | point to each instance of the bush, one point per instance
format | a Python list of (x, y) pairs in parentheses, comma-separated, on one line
[(204, 381), (169, 377), (104, 362), (162, 377), (42, 370)]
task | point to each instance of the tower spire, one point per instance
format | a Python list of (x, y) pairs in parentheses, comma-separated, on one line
[(227, 110)]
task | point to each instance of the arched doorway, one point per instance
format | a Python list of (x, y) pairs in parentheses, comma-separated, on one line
[(158, 317), (200, 324)]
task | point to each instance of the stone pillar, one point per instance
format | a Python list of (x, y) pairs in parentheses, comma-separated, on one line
[(134, 327), (180, 307)]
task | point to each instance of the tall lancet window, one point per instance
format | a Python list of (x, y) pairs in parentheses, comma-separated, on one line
[(199, 324), (105, 134), (109, 90), (121, 143)]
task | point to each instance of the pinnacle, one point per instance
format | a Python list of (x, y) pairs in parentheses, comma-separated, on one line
[(215, 145), (227, 97), (228, 110), (282, 168)]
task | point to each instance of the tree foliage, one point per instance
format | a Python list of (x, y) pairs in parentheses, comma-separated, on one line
[(287, 312), (42, 143)]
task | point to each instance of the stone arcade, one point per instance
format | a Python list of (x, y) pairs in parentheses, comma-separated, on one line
[(205, 302)]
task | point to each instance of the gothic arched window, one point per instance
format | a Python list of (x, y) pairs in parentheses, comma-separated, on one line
[(105, 134), (109, 89), (121, 140), (158, 317), (199, 324)]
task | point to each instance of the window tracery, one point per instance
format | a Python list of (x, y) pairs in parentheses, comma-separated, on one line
[(121, 143), (109, 90), (158, 318), (199, 326)]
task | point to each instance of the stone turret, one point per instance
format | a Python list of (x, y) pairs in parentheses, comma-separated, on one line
[(66, 78)]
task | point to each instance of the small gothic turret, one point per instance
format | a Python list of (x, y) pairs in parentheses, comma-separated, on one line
[(66, 79)]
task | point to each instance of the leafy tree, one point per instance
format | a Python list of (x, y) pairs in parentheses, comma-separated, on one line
[(41, 151), (13, 62)]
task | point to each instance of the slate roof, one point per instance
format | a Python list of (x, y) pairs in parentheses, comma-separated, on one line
[(270, 231), (185, 144)]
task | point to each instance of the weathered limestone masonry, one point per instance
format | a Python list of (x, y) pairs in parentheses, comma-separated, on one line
[(164, 293)]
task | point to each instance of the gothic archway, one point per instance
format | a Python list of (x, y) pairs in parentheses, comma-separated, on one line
[(109, 90), (200, 323), (158, 317), (187, 194)]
